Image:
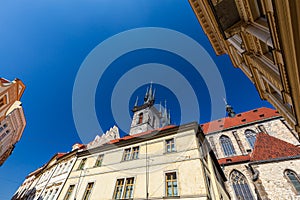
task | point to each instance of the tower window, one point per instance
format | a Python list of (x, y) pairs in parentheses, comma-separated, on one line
[(171, 184), (294, 180), (227, 146), (140, 119)]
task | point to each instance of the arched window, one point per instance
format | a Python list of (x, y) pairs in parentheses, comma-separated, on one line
[(251, 137), (294, 179), (140, 119), (240, 186), (227, 146)]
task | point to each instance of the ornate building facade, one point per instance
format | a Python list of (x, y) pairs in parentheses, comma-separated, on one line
[(259, 154), (261, 38), (12, 120)]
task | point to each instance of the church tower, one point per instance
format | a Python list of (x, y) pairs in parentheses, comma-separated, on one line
[(146, 117)]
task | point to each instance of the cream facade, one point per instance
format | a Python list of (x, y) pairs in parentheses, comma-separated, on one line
[(261, 38), (147, 167), (48, 181)]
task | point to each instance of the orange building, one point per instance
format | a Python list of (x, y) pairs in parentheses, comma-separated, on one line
[(12, 119)]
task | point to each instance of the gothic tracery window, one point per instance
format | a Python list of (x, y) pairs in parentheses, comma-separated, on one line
[(251, 137), (240, 186), (294, 179), (227, 146)]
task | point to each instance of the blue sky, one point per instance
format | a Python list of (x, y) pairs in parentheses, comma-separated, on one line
[(44, 43)]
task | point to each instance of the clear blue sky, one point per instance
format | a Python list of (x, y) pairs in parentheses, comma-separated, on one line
[(44, 44)]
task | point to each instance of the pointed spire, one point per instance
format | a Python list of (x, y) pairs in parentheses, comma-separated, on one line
[(136, 101), (153, 96), (229, 109), (160, 108), (169, 117), (150, 94), (165, 110), (146, 95)]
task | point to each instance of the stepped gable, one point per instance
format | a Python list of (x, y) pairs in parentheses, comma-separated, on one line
[(240, 119), (268, 148)]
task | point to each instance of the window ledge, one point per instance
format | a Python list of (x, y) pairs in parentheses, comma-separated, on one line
[(172, 197), (170, 152)]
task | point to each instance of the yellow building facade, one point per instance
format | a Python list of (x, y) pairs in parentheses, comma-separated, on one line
[(261, 38)]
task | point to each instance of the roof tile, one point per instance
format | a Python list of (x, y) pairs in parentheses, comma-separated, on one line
[(239, 119), (268, 147)]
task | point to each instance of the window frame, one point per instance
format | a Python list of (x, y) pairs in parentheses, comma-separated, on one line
[(131, 153), (69, 193), (88, 191), (126, 154), (82, 164), (135, 152), (250, 134), (123, 189), (166, 184), (228, 143), (172, 149), (140, 118), (294, 188), (99, 160), (3, 101), (240, 176)]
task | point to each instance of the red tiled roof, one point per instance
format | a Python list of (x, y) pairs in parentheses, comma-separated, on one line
[(267, 147), (3, 80), (139, 134), (58, 155), (234, 159), (239, 119)]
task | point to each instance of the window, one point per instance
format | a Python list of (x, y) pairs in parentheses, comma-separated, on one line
[(240, 186), (251, 137), (99, 161), (128, 193), (131, 153), (69, 192), (262, 128), (82, 163), (121, 192), (227, 146), (294, 180), (49, 194), (171, 184), (53, 194), (88, 191), (126, 155), (140, 119), (2, 101), (135, 152), (170, 145)]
